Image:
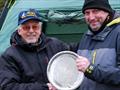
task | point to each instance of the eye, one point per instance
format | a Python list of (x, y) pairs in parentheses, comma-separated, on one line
[(25, 27), (35, 27), (95, 11), (86, 13)]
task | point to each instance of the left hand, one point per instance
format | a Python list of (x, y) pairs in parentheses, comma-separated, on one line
[(51, 87)]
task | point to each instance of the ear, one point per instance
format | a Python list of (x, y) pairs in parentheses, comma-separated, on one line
[(19, 31)]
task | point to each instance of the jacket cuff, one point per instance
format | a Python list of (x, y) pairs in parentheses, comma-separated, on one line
[(90, 69)]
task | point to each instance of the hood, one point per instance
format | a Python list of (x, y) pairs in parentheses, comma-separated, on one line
[(116, 19)]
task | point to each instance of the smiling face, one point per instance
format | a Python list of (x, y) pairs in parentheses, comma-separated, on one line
[(95, 18), (30, 31)]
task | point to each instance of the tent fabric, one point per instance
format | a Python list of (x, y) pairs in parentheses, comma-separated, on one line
[(10, 23)]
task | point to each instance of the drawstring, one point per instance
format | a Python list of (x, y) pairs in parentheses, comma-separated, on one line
[(93, 57)]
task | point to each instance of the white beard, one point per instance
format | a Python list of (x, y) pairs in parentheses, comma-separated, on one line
[(31, 40)]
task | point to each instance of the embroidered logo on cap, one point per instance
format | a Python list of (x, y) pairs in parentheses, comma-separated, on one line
[(27, 14)]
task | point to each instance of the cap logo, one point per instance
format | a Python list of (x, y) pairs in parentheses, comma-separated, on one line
[(29, 13)]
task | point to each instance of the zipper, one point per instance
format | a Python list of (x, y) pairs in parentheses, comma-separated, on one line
[(94, 57)]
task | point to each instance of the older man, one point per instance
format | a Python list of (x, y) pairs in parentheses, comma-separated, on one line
[(23, 65)]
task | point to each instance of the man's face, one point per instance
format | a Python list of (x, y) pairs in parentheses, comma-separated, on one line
[(30, 31), (95, 18)]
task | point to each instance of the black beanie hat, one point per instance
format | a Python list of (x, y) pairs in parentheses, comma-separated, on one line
[(97, 4)]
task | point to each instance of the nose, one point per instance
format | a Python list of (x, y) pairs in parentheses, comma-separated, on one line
[(31, 29), (91, 16)]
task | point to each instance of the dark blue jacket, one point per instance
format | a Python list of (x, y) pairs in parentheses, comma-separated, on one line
[(103, 51), (23, 66)]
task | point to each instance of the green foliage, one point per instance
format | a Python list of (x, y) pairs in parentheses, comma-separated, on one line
[(1, 4), (9, 3)]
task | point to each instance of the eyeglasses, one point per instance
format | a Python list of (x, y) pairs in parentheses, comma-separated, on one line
[(28, 27)]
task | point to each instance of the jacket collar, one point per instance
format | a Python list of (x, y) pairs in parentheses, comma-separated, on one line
[(100, 36)]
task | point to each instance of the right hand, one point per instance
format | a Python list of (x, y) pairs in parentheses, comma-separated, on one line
[(82, 63)]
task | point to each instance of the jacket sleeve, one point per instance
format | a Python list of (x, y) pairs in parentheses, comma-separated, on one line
[(10, 78), (109, 74), (73, 47), (106, 75)]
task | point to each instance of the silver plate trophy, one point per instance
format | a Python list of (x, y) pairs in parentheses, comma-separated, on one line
[(62, 71)]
